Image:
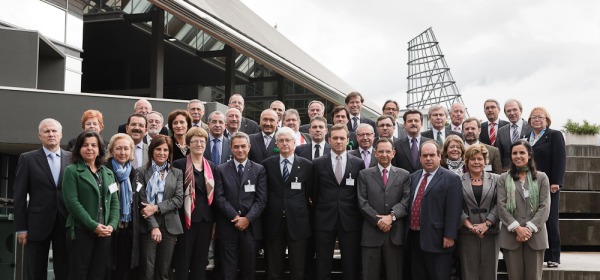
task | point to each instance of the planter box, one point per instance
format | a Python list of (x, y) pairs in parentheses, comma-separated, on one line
[(577, 139)]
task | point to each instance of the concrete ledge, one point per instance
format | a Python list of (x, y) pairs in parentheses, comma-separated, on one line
[(583, 164), (583, 150), (579, 202), (580, 232), (582, 181)]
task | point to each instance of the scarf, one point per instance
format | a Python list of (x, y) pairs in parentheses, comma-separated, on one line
[(122, 173), (455, 166), (156, 185), (189, 200), (534, 194), (533, 139)]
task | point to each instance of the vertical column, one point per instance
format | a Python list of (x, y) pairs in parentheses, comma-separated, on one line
[(157, 53), (229, 72)]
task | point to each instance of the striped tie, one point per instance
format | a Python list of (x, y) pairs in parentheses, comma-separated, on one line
[(515, 133), (492, 133)]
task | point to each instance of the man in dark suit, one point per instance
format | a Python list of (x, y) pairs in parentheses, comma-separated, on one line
[(457, 116), (155, 125), (435, 214), (391, 107), (136, 129), (240, 196), (366, 137), (490, 128), (341, 115), (143, 107), (279, 108), (233, 118), (383, 193), (315, 108), (291, 119), (354, 102), (515, 130), (218, 149), (318, 145), (471, 132), (407, 148), (263, 143), (386, 127), (41, 220), (437, 117), (337, 215), (286, 219), (246, 125), (196, 110)]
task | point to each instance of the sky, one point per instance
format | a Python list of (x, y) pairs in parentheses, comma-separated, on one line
[(543, 53)]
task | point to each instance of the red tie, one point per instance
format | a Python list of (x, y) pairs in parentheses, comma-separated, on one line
[(492, 134), (384, 177), (415, 212)]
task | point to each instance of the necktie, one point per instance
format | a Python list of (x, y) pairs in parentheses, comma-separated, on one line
[(366, 158), (317, 147), (414, 151), (55, 167), (492, 133), (439, 138), (385, 177), (240, 171), (339, 173), (286, 171), (137, 157), (267, 140), (515, 133), (354, 123), (415, 212), (214, 153)]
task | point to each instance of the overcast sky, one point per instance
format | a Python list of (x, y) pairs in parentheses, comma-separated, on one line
[(543, 53)]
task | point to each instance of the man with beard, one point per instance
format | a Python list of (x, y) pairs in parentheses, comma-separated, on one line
[(232, 122), (196, 109), (407, 148), (136, 128), (263, 143), (471, 130), (246, 125), (366, 137), (155, 125)]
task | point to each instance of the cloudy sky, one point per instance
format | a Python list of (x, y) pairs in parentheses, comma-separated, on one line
[(544, 53)]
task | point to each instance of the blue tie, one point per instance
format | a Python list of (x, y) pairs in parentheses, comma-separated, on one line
[(286, 171), (216, 157), (240, 171), (55, 166)]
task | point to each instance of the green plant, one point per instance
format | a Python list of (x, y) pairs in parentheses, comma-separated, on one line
[(581, 129)]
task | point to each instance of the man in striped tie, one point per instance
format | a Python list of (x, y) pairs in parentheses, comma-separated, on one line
[(489, 129), (515, 130)]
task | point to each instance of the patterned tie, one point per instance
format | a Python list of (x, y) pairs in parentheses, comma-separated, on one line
[(385, 177), (492, 133), (354, 123), (240, 171), (515, 133), (414, 152), (267, 140), (317, 154), (286, 171), (55, 166), (339, 173), (366, 158), (439, 138), (415, 212), (215, 156)]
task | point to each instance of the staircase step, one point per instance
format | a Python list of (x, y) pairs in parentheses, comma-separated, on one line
[(580, 232), (583, 150), (579, 202), (583, 163), (582, 180)]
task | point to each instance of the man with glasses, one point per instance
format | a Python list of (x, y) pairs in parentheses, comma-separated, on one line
[(386, 127), (366, 137), (390, 107), (155, 125)]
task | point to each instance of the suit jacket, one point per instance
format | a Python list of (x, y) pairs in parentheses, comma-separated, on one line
[(539, 240), (441, 209), (486, 209), (123, 129), (484, 136), (374, 199), (550, 156), (447, 131), (362, 120), (168, 207), (306, 151), (145, 153), (258, 151), (333, 200), (401, 131), (202, 211), (46, 206), (403, 157), (249, 126), (352, 140), (232, 200), (282, 198), (357, 153), (225, 151), (504, 141), (82, 197), (495, 160)]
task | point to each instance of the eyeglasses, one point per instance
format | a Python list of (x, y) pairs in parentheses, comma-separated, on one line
[(284, 140), (535, 118), (361, 135), (198, 142), (385, 125), (390, 109)]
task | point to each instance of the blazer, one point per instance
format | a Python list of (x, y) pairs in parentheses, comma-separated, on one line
[(441, 209), (352, 140), (306, 151), (201, 207), (403, 157), (447, 132), (281, 198), (401, 131), (82, 197), (357, 153), (374, 199), (484, 136), (333, 200), (362, 120), (225, 151), (258, 151), (494, 159), (249, 126), (504, 141), (145, 152), (232, 200), (46, 207), (177, 154), (486, 209), (168, 207), (550, 156), (538, 240)]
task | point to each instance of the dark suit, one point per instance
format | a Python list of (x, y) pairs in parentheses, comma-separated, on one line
[(484, 136), (403, 157), (401, 131), (357, 153), (123, 129), (362, 120), (44, 216), (549, 153), (249, 126), (504, 141), (306, 150), (286, 217), (238, 250), (337, 216), (225, 151), (374, 198), (352, 140), (447, 132), (440, 212), (155, 259), (258, 151)]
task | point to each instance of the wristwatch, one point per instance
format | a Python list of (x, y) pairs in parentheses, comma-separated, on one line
[(393, 216)]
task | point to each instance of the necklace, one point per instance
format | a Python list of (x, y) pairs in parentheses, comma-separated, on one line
[(477, 179)]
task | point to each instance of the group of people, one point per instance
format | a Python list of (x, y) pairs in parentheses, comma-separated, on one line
[(401, 203)]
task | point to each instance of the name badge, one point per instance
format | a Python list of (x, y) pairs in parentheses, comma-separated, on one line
[(249, 187), (113, 187), (488, 167), (296, 185), (349, 180), (139, 187), (526, 193)]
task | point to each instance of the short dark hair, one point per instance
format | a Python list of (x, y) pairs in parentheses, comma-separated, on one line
[(383, 117), (174, 114), (157, 141), (410, 112), (337, 109), (76, 152), (319, 118), (383, 139), (138, 115), (390, 101), (352, 95)]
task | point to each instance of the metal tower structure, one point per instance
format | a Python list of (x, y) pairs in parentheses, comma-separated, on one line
[(429, 78)]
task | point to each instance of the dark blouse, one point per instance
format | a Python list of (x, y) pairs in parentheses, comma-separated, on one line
[(477, 192)]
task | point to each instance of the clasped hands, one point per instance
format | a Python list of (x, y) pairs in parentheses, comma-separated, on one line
[(103, 231), (523, 234), (241, 223), (385, 222), (479, 229)]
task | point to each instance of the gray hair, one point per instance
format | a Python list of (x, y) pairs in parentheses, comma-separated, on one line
[(285, 130), (50, 121)]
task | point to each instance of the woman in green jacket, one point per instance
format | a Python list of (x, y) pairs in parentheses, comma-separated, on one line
[(90, 195)]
